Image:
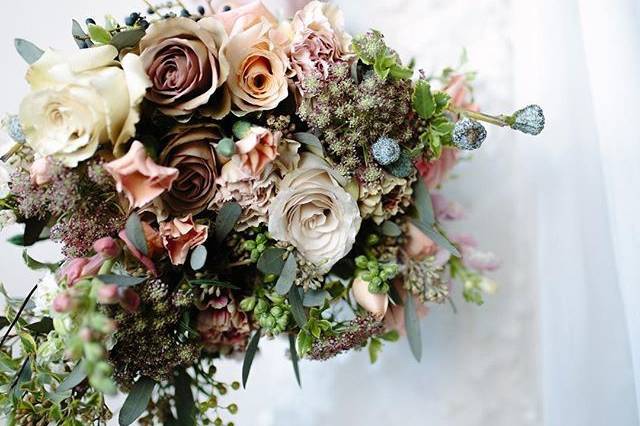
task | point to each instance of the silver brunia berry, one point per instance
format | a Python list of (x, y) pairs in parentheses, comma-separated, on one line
[(468, 134)]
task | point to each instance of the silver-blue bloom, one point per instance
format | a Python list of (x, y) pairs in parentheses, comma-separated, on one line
[(468, 134), (529, 120), (385, 151)]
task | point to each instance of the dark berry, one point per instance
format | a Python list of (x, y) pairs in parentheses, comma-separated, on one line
[(144, 24), (129, 21), (226, 8), (90, 21), (201, 10), (185, 13), (150, 11)]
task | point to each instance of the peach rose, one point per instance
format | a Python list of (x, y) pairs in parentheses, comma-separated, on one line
[(139, 177), (184, 62), (418, 245), (258, 67), (179, 236), (258, 149), (375, 304), (435, 172), (242, 14)]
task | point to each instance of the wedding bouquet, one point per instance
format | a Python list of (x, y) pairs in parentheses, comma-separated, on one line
[(216, 177)]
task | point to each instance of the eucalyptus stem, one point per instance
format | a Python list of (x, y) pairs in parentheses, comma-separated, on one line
[(499, 120), (14, 149)]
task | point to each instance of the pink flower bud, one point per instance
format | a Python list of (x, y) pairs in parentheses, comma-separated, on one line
[(108, 247), (62, 303), (40, 171), (73, 270), (108, 294), (130, 300), (85, 334)]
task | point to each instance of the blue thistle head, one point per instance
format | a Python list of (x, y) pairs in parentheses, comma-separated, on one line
[(385, 151), (468, 134), (402, 167), (529, 120)]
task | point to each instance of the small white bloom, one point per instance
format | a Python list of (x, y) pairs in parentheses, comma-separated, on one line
[(45, 293), (7, 217), (488, 285), (5, 178)]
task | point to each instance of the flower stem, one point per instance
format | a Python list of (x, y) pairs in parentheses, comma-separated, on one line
[(14, 149), (499, 120)]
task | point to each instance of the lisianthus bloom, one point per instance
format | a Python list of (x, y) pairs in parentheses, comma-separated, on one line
[(319, 39), (139, 177), (258, 67), (257, 149), (184, 61), (435, 172), (191, 150), (179, 236), (374, 303), (80, 100), (315, 214), (154, 246)]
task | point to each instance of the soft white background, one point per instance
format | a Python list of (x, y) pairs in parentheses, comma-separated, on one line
[(554, 346)]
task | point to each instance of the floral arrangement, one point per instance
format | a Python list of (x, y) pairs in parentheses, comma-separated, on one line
[(215, 177)]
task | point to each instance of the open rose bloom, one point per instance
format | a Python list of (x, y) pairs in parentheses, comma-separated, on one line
[(218, 176)]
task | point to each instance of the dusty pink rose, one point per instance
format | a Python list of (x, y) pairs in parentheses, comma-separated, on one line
[(418, 245), (435, 172), (40, 171), (242, 14), (319, 39), (458, 89), (258, 149), (139, 177), (183, 60), (179, 236), (375, 304), (154, 247), (222, 326)]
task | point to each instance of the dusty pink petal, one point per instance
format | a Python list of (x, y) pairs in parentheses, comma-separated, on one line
[(258, 149), (435, 172), (139, 177), (72, 270), (107, 246), (418, 245), (242, 13), (375, 304), (146, 261), (445, 209), (394, 319), (40, 171), (179, 236)]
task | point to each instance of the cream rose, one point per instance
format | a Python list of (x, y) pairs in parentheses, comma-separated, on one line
[(80, 100), (258, 66), (315, 214)]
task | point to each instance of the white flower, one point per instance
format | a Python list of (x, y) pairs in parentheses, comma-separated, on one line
[(315, 214), (80, 100), (7, 217), (45, 293), (5, 178)]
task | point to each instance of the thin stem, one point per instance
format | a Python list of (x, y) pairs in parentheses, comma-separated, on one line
[(15, 320), (152, 7), (241, 263), (14, 149), (491, 119)]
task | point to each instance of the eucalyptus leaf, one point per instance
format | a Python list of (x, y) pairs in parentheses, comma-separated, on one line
[(135, 234), (437, 237), (24, 375), (294, 358), (18, 240), (252, 348), (287, 275), (271, 261), (423, 102), (74, 378), (98, 34), (315, 298), (297, 307), (311, 141), (198, 258), (424, 206), (29, 51), (79, 36), (412, 325), (125, 39), (36, 265), (226, 220), (137, 401), (44, 326), (390, 229), (185, 403), (213, 283), (121, 280)]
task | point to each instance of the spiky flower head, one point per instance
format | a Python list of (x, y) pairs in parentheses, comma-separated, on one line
[(355, 336), (468, 134), (529, 120), (11, 124), (385, 151), (402, 167)]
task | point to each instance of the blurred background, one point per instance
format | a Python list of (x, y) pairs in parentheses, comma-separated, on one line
[(559, 343)]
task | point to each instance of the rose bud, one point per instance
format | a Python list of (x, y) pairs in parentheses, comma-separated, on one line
[(129, 300), (108, 294), (376, 304), (62, 303), (108, 247)]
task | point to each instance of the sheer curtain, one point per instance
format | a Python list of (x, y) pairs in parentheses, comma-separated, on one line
[(583, 58)]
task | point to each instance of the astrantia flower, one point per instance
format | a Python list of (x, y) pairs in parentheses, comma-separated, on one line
[(315, 214), (80, 100), (222, 326), (319, 39)]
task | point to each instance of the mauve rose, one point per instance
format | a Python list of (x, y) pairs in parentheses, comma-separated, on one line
[(191, 150), (179, 236), (435, 172), (183, 59)]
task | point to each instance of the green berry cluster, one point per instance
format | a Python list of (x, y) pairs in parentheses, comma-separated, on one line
[(271, 311), (377, 274), (257, 246)]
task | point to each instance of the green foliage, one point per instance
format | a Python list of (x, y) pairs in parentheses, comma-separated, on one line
[(126, 39), (137, 401), (423, 101), (252, 348), (99, 34), (294, 358), (36, 265), (135, 234), (372, 50), (198, 258), (297, 307), (272, 261), (121, 280), (226, 220), (315, 328), (412, 325), (311, 142), (287, 276), (377, 274)]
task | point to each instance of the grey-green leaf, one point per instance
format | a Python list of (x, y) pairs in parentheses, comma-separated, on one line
[(287, 275), (423, 102), (198, 258), (185, 403), (227, 218), (424, 206), (311, 141), (213, 283), (252, 348), (437, 237), (36, 265), (29, 51), (125, 39), (297, 307), (294, 358), (315, 298), (79, 36), (390, 229), (271, 261), (121, 280), (135, 234), (137, 401), (412, 324), (74, 378)]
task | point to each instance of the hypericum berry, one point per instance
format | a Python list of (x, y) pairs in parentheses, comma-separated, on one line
[(90, 21), (226, 8), (201, 10), (386, 151), (185, 13), (402, 167), (144, 24), (468, 134), (529, 120)]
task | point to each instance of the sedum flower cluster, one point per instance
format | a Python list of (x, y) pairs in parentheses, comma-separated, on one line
[(217, 176)]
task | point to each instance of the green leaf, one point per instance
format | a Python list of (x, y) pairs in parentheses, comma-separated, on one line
[(375, 346), (315, 298), (36, 265), (23, 377), (423, 102), (198, 258), (125, 39), (424, 206), (304, 342), (271, 261), (437, 237), (121, 280), (412, 324), (44, 326), (185, 404), (213, 283), (252, 348), (79, 36), (74, 378), (294, 358), (226, 220), (391, 336), (29, 51), (137, 401), (135, 234), (399, 72), (28, 343), (442, 100), (33, 229), (311, 142), (287, 275), (297, 307), (390, 229), (18, 240), (98, 34)]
